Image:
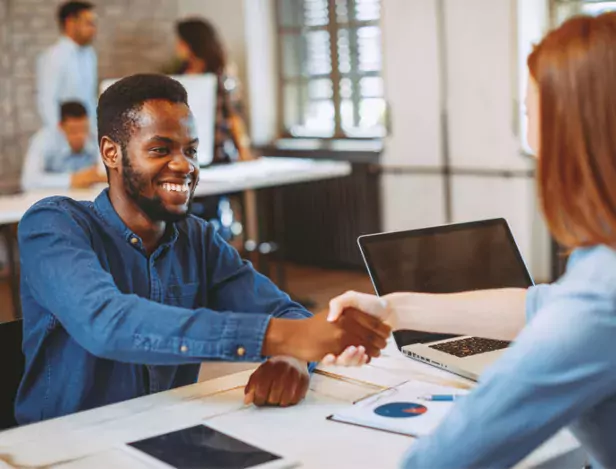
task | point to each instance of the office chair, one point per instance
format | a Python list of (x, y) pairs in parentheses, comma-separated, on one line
[(12, 365)]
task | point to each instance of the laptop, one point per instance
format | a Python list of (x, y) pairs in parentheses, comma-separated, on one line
[(201, 90), (446, 259)]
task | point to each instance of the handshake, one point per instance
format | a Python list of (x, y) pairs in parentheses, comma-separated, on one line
[(353, 331)]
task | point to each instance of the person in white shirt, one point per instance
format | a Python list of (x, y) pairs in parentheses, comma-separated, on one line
[(67, 71), (64, 156)]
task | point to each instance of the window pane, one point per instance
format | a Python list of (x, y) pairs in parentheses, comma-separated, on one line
[(346, 114), (292, 46), (342, 11), (319, 57), (598, 8), (344, 51), (293, 105), (369, 48), (371, 118), (319, 120), (320, 89), (367, 10), (371, 87), (290, 13), (316, 12), (346, 88)]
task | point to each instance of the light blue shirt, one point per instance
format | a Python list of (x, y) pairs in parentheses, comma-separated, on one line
[(561, 371), (66, 72), (50, 160)]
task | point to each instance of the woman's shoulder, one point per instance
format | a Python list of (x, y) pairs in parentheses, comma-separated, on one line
[(594, 267)]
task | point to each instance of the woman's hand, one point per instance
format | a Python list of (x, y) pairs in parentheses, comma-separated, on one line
[(369, 304)]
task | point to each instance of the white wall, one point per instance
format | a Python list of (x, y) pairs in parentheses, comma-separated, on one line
[(479, 92), (480, 97)]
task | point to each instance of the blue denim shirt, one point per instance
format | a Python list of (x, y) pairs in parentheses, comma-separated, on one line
[(560, 371), (105, 322)]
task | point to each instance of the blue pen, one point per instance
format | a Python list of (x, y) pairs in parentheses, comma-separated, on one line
[(441, 397)]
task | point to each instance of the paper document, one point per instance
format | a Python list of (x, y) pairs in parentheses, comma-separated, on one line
[(401, 409)]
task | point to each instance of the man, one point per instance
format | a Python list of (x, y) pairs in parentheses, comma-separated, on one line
[(127, 295), (65, 156), (67, 71)]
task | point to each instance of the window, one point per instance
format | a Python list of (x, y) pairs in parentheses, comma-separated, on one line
[(563, 9), (330, 68)]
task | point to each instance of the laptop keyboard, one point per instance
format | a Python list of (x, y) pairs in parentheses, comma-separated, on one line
[(470, 346)]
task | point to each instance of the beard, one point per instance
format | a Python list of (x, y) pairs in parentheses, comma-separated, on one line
[(153, 207)]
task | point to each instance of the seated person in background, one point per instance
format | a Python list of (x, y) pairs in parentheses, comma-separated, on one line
[(63, 156), (127, 295)]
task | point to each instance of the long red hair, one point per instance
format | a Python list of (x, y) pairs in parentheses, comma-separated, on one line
[(574, 67)]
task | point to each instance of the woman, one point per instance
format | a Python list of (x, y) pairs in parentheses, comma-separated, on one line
[(200, 50), (561, 369)]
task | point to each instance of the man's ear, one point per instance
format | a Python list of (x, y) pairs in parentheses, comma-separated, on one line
[(111, 153)]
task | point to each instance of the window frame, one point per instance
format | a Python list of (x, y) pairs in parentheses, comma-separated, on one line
[(333, 27)]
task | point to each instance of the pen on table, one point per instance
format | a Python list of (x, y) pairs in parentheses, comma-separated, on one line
[(441, 397)]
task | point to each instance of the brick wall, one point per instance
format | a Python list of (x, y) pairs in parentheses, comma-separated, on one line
[(133, 36)]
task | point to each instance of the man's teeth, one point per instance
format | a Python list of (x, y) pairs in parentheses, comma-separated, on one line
[(175, 187)]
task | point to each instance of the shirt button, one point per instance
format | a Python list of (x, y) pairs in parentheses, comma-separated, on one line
[(183, 349), (241, 351), (134, 240)]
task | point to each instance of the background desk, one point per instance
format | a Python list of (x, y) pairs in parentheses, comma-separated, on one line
[(262, 173), (258, 174), (91, 439)]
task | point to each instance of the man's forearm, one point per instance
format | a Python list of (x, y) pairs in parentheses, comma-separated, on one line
[(277, 338), (496, 314)]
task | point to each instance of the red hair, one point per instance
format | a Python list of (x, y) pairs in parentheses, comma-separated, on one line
[(574, 67)]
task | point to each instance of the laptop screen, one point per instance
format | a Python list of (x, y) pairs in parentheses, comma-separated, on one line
[(445, 259)]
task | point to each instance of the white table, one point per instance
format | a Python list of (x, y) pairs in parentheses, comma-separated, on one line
[(94, 439), (262, 173)]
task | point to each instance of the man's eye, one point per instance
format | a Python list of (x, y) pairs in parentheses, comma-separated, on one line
[(192, 152), (160, 150)]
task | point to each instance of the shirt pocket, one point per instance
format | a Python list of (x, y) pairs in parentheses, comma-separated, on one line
[(184, 295)]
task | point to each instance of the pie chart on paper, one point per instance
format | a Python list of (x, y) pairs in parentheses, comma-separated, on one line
[(401, 410)]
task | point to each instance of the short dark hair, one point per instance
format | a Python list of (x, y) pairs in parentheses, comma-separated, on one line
[(204, 41), (72, 109), (71, 9), (118, 105)]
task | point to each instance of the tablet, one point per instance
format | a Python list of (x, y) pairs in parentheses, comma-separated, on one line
[(202, 447)]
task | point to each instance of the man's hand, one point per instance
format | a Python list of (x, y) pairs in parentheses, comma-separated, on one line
[(353, 301), (280, 381), (87, 177), (312, 339)]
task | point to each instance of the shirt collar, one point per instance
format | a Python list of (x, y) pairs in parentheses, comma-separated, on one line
[(68, 42), (104, 208)]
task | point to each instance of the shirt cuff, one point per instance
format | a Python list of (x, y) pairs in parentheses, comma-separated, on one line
[(239, 338)]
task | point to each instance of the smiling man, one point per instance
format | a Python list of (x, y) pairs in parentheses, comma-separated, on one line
[(126, 296)]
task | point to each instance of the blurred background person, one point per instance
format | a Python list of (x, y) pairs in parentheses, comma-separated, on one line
[(67, 71), (200, 50), (65, 155)]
